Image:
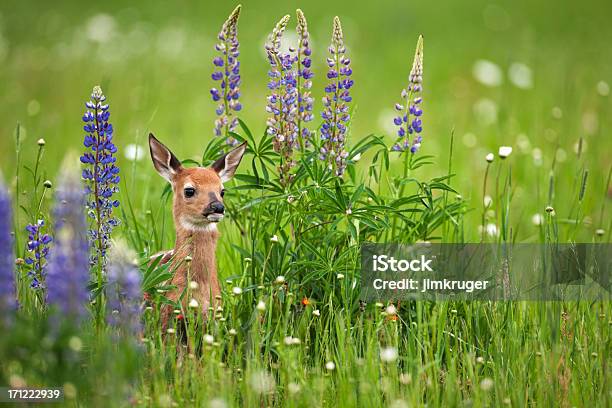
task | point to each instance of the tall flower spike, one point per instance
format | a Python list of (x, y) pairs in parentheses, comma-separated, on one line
[(283, 100), (124, 295), (8, 301), (101, 175), (68, 268), (37, 252), (336, 103), (409, 110), (304, 80), (227, 73)]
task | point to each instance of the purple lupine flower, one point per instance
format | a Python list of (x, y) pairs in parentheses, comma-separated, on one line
[(409, 111), (8, 301), (304, 80), (37, 252), (101, 174), (336, 112), (123, 291), (68, 267), (283, 100), (227, 73)]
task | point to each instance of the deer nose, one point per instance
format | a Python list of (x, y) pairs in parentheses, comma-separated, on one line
[(217, 207)]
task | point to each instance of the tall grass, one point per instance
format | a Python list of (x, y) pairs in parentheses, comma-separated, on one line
[(292, 329)]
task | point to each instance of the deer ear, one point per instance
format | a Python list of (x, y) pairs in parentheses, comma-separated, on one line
[(227, 164), (165, 162)]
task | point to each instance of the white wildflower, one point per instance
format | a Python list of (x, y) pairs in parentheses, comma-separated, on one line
[(133, 152), (293, 388), (537, 219), (487, 201), (603, 88), (520, 75), (487, 73), (388, 354), (486, 384), (262, 382), (505, 151)]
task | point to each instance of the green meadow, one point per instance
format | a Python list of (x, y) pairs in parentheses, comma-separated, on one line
[(292, 329)]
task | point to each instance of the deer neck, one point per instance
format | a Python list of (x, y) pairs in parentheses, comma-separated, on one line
[(200, 245)]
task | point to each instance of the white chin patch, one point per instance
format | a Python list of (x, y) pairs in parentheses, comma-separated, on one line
[(214, 217), (202, 224)]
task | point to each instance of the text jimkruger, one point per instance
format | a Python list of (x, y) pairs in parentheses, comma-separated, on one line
[(426, 285)]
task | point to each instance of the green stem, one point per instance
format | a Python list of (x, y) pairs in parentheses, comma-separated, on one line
[(484, 194)]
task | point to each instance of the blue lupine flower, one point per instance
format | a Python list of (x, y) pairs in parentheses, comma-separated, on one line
[(8, 300), (304, 80), (283, 100), (37, 252), (227, 72), (123, 291), (101, 174), (336, 112), (68, 267), (409, 111)]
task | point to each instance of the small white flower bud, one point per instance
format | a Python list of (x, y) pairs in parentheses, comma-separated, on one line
[(505, 151)]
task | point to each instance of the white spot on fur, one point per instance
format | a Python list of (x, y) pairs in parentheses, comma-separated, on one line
[(201, 226)]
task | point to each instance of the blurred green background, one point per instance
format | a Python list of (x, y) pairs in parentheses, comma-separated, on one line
[(534, 75)]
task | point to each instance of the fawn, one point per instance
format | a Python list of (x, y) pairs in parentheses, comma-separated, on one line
[(197, 207)]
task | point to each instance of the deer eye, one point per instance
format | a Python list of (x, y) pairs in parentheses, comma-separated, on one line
[(189, 192), (222, 192)]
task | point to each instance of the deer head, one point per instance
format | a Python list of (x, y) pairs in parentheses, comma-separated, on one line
[(198, 191)]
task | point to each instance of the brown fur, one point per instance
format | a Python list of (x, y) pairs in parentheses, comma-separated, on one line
[(196, 234), (200, 245)]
